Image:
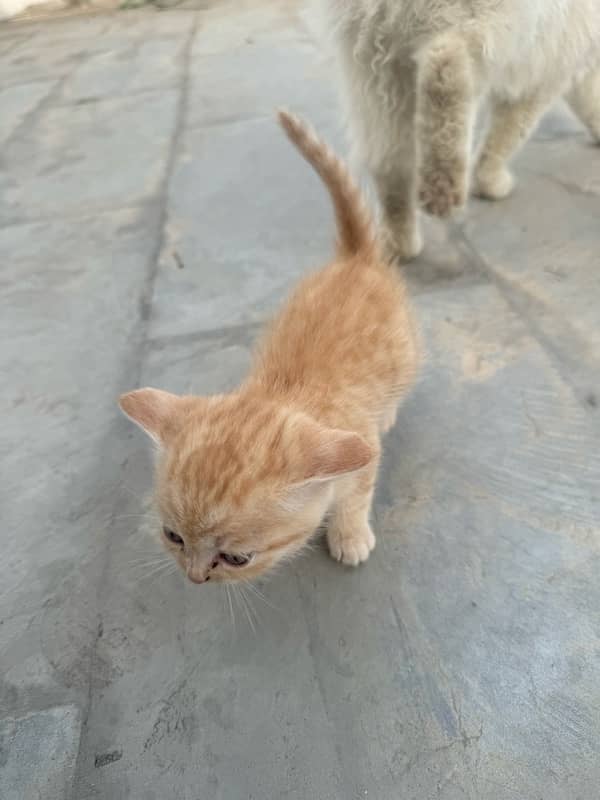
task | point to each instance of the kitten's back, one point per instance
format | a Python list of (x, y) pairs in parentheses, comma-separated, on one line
[(346, 337)]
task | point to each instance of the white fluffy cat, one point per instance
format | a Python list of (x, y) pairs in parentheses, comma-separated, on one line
[(414, 71)]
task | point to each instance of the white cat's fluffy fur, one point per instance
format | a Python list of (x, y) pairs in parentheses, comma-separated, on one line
[(414, 71)]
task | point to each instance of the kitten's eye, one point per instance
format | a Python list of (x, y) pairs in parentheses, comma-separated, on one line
[(236, 559), (173, 537)]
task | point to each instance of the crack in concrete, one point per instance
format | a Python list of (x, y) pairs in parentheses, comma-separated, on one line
[(572, 188), (570, 355), (422, 755), (31, 117)]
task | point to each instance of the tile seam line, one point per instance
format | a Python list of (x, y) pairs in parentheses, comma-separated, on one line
[(163, 194), (150, 202), (257, 327), (138, 356)]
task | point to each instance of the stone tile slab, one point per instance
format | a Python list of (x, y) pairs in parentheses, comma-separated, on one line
[(38, 754), (95, 156)]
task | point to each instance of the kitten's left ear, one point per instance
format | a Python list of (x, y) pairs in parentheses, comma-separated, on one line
[(325, 454), (334, 453), (153, 410), (321, 453)]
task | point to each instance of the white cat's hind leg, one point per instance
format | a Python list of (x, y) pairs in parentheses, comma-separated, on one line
[(400, 231), (392, 164), (380, 106), (584, 99), (446, 95)]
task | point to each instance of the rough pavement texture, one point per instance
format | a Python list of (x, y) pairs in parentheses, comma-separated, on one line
[(152, 217)]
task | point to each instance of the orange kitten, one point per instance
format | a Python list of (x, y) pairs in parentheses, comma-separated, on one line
[(244, 480)]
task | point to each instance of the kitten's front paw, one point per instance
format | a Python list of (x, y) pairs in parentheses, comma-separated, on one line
[(493, 184), (442, 191), (351, 548)]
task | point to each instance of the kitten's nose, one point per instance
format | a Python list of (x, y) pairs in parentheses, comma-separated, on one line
[(197, 577)]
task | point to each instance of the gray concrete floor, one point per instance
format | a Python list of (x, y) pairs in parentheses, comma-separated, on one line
[(152, 216)]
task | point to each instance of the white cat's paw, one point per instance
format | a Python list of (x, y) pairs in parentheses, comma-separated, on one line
[(401, 243), (351, 549), (443, 190), (493, 184)]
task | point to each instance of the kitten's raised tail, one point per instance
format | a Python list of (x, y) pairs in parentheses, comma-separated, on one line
[(356, 234)]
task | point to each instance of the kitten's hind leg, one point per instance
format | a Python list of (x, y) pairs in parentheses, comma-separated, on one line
[(349, 534), (445, 115), (510, 125), (388, 417), (584, 99)]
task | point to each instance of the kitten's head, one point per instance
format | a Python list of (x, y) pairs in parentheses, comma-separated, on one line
[(241, 482)]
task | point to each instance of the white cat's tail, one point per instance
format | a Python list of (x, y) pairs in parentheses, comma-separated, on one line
[(356, 233)]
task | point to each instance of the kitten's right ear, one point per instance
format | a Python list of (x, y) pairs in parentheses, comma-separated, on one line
[(153, 410)]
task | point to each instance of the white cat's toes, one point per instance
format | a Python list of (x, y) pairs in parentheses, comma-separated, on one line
[(351, 549), (442, 191), (401, 243), (493, 184)]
